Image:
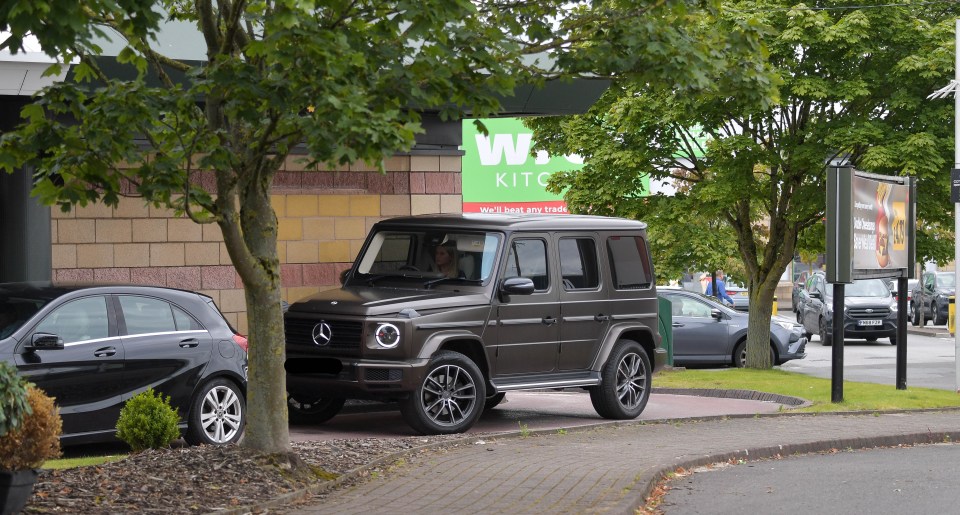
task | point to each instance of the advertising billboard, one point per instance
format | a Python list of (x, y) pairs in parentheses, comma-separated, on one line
[(501, 175), (879, 224), (870, 225)]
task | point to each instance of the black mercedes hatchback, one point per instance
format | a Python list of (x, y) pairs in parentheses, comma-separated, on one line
[(94, 347)]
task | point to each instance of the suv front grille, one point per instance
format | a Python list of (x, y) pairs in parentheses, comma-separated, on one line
[(868, 312), (344, 336)]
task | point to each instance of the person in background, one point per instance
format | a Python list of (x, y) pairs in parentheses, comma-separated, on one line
[(721, 289), (445, 258)]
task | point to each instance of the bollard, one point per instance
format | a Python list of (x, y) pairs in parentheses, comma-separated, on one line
[(951, 323), (774, 306)]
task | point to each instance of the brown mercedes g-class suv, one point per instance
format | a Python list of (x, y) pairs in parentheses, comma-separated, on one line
[(446, 313)]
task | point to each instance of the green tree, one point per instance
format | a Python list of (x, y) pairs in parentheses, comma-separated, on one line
[(852, 85), (347, 79)]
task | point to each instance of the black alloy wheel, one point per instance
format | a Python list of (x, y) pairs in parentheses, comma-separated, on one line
[(449, 400), (625, 382)]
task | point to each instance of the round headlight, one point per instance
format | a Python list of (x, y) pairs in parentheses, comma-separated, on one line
[(388, 336)]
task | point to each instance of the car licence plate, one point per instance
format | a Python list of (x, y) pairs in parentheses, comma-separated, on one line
[(869, 322)]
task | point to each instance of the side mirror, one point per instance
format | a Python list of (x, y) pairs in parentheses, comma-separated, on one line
[(343, 276), (715, 313), (45, 341), (815, 295), (517, 286)]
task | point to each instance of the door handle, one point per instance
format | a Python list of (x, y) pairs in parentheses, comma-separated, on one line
[(601, 317), (189, 343), (105, 352), (677, 324), (548, 320)]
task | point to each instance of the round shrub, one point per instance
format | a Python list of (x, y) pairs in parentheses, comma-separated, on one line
[(36, 439), (147, 421)]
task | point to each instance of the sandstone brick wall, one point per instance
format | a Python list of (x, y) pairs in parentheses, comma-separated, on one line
[(323, 218)]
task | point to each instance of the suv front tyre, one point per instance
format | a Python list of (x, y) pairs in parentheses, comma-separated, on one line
[(624, 382), (450, 398)]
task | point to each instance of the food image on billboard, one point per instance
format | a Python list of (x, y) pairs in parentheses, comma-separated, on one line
[(880, 211)]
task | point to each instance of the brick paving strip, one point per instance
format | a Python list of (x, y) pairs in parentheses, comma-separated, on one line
[(611, 468)]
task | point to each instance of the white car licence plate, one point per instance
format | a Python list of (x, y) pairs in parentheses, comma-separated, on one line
[(869, 322)]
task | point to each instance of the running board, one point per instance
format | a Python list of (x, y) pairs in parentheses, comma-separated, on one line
[(550, 381)]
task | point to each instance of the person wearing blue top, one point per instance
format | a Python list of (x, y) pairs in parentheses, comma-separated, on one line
[(721, 289)]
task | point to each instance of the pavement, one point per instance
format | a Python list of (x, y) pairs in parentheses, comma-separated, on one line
[(610, 467)]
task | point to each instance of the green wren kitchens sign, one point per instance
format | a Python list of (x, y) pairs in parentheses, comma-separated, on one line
[(500, 175)]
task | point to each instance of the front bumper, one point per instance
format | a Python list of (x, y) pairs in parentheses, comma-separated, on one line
[(352, 378), (796, 350)]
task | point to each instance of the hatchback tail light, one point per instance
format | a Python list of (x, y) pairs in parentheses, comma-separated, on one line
[(241, 341)]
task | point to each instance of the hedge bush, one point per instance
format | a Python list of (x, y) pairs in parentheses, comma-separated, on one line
[(147, 421), (37, 438)]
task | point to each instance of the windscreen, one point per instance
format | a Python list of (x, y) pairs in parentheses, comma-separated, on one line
[(429, 253)]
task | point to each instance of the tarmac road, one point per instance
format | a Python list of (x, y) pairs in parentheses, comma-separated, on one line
[(921, 479)]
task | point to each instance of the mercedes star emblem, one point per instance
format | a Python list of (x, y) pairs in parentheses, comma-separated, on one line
[(322, 333)]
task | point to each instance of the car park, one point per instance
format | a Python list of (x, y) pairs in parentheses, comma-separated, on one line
[(538, 302), (92, 348), (870, 311), (932, 295), (707, 332)]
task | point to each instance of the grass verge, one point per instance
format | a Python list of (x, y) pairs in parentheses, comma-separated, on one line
[(856, 396), (69, 463)]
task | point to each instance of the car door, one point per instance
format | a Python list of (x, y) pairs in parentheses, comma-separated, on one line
[(927, 291), (86, 375), (528, 325), (698, 336), (166, 347), (584, 318)]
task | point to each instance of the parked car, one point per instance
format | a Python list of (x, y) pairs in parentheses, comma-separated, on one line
[(94, 347), (932, 295), (911, 285), (796, 296), (870, 311), (537, 302), (707, 332), (740, 296)]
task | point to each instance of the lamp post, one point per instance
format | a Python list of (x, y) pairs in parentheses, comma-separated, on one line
[(943, 93)]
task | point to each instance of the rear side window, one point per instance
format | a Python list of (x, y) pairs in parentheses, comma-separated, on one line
[(528, 258), (578, 264), (630, 262), (149, 315)]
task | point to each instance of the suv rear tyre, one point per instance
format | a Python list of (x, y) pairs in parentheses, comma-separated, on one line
[(301, 410), (450, 399), (625, 382)]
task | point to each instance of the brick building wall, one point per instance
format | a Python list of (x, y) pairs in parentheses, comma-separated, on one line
[(323, 217)]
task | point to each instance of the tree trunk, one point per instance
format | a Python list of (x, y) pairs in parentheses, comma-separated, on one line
[(758, 332), (251, 239)]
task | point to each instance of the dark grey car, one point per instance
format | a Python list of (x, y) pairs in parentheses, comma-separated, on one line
[(534, 302), (870, 311), (706, 332), (94, 347)]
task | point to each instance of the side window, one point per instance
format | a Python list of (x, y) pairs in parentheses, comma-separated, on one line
[(691, 308), (528, 258), (147, 315), (78, 320), (928, 281), (630, 262), (578, 263), (184, 321)]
